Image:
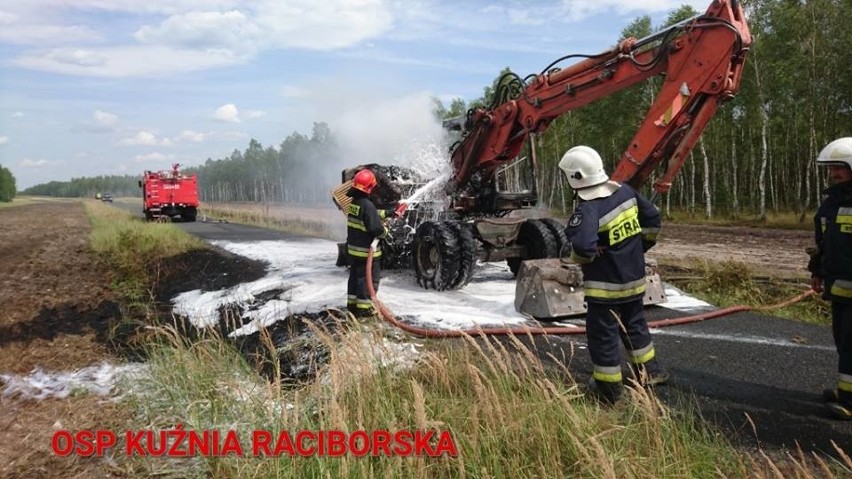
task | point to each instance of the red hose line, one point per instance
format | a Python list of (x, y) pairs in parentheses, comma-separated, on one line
[(388, 316)]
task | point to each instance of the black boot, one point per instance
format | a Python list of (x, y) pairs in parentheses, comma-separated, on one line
[(829, 395), (650, 374), (841, 408), (606, 392)]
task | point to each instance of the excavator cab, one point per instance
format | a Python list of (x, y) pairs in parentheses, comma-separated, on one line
[(512, 186), (515, 182)]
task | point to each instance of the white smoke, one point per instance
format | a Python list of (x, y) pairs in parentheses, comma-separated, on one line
[(374, 128), (400, 131)]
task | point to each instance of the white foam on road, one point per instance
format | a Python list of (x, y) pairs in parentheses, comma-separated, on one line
[(304, 279), (680, 301)]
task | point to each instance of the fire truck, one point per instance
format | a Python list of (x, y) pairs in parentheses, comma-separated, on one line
[(169, 195)]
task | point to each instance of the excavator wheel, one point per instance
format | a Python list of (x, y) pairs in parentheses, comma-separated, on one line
[(538, 239), (557, 229), (467, 253), (435, 254)]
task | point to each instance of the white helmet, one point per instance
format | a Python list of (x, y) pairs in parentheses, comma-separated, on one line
[(584, 168), (838, 152)]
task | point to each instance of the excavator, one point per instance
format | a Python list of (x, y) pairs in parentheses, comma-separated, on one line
[(494, 164)]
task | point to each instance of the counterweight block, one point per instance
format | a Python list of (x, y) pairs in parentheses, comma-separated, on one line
[(551, 289)]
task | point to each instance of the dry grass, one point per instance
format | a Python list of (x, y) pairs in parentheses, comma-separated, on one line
[(313, 221), (729, 283), (788, 220), (507, 414)]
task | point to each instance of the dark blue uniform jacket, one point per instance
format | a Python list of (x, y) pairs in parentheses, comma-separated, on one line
[(608, 238)]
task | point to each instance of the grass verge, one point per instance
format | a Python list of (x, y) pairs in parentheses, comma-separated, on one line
[(135, 252), (134, 249), (506, 413), (729, 283), (325, 223)]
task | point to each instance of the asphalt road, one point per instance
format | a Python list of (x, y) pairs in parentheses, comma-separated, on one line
[(757, 376)]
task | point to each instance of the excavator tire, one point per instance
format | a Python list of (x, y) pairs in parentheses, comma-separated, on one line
[(435, 254), (538, 239), (467, 253), (557, 229)]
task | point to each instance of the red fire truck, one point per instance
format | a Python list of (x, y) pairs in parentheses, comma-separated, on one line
[(169, 195)]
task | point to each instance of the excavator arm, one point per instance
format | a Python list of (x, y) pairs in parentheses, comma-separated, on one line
[(700, 59)]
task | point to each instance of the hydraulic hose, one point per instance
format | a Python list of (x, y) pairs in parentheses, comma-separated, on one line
[(388, 316)]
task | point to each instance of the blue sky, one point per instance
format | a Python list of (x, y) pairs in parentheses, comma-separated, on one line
[(103, 87)]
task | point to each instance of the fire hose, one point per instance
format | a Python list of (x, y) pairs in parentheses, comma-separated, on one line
[(388, 316)]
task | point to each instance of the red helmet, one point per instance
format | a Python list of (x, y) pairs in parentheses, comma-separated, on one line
[(364, 181)]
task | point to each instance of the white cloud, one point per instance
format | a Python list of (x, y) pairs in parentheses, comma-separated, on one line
[(119, 62), (251, 114), (189, 135), (201, 34), (31, 163), (105, 119), (524, 17), (290, 91), (153, 158), (16, 28), (232, 135), (145, 138), (161, 7), (227, 113), (576, 10), (229, 30), (18, 114), (83, 58), (272, 24), (4, 140)]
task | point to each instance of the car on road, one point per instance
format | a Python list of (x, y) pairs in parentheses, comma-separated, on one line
[(107, 197)]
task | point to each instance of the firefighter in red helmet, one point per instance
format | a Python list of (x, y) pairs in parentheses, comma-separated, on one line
[(364, 227)]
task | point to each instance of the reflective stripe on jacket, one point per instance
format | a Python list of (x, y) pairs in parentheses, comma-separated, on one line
[(363, 224), (833, 234), (608, 238)]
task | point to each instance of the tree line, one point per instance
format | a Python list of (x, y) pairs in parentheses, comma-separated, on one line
[(756, 155), (117, 185), (7, 185)]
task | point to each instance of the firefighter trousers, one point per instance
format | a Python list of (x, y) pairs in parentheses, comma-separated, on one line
[(358, 300), (841, 325), (610, 325)]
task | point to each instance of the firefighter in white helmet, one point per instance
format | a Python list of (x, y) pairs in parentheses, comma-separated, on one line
[(831, 265), (609, 232)]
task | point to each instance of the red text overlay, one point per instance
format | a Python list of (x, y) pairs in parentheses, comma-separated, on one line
[(179, 442)]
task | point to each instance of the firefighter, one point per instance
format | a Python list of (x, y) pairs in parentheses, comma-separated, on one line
[(609, 232), (831, 265), (364, 228)]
